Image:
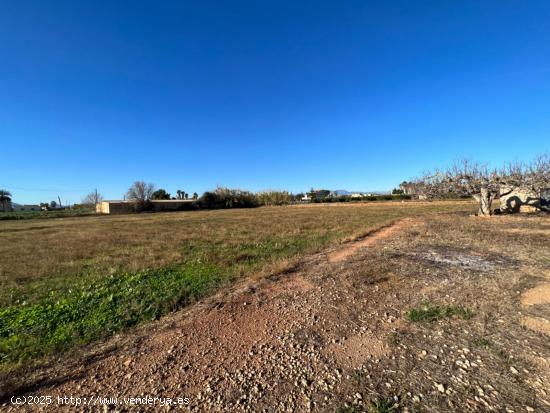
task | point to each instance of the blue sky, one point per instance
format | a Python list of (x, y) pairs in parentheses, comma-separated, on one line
[(256, 95)]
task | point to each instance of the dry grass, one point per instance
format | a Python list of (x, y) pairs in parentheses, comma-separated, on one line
[(104, 245)]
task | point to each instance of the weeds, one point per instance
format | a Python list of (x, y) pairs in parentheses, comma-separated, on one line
[(482, 342), (384, 406), (107, 306), (491, 347), (393, 338), (433, 313)]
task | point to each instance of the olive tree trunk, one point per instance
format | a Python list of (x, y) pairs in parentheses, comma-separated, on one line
[(485, 199)]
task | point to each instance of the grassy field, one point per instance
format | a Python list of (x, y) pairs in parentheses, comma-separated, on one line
[(69, 281), (64, 213)]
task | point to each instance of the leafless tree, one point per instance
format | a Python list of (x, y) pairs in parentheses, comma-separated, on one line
[(534, 176), (485, 184), (140, 191), (93, 198)]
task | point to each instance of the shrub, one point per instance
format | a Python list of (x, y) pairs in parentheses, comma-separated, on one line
[(228, 198), (274, 197)]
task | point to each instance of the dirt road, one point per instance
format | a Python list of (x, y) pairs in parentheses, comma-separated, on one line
[(333, 333)]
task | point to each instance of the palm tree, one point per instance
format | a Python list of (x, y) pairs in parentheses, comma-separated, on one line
[(5, 199)]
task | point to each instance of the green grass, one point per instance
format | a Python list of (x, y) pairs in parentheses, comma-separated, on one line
[(431, 313), (90, 311), (4, 216)]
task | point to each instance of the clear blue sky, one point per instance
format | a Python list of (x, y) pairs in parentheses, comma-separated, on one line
[(282, 94)]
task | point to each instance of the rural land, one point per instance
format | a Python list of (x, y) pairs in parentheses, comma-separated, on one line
[(385, 306)]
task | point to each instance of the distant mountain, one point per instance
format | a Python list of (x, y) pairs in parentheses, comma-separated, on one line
[(342, 192), (346, 192)]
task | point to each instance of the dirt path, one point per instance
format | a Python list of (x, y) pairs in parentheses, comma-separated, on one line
[(370, 239), (330, 334)]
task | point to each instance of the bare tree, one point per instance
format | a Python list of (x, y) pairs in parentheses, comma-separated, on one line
[(93, 198), (534, 176), (484, 184), (465, 177), (140, 191)]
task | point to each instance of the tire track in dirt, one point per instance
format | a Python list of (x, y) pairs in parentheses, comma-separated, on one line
[(370, 239)]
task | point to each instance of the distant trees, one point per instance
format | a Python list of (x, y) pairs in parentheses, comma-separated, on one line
[(182, 194), (317, 195), (485, 184), (274, 197), (53, 205), (195, 195), (160, 194), (397, 191), (92, 199), (5, 199), (141, 192), (228, 198)]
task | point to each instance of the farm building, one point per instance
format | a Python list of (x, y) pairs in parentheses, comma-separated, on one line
[(127, 207), (518, 199)]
